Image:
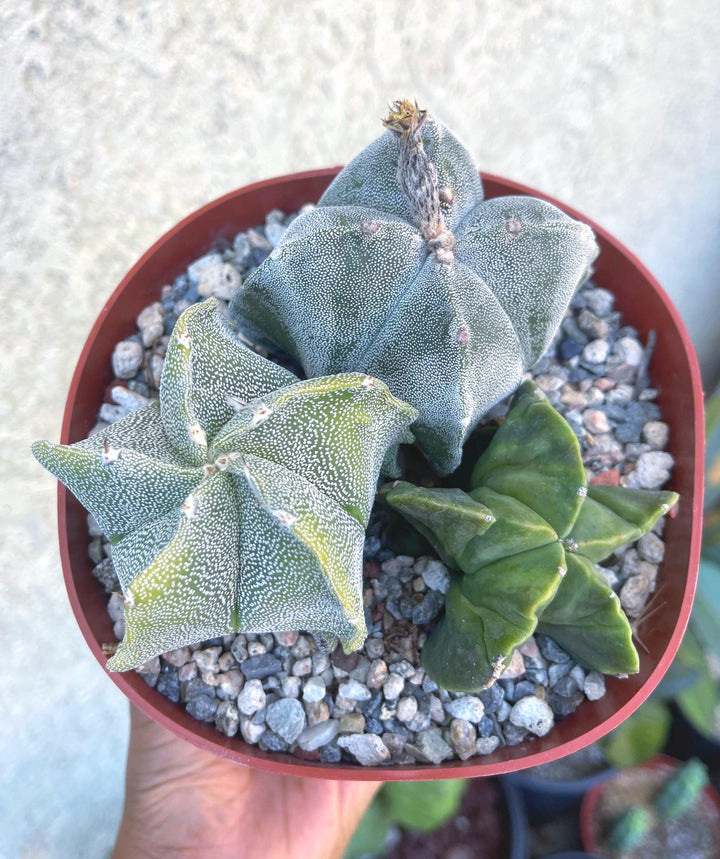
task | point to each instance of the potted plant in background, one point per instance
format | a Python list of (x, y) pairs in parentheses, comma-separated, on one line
[(662, 809), (214, 430)]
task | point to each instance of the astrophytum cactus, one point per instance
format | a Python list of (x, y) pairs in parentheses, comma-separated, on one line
[(403, 271), (237, 503), (527, 537)]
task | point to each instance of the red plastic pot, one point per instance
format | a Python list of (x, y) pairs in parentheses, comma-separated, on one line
[(661, 764), (674, 370)]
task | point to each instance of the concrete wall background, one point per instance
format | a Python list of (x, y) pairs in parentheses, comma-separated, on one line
[(118, 118)]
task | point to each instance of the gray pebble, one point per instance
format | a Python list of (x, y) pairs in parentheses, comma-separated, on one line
[(393, 687), (270, 742), (634, 594), (127, 359), (651, 548), (558, 670), (419, 722), (434, 573), (354, 690), (468, 708), (239, 648), (105, 573), (656, 434), (202, 707), (129, 401), (368, 749), (229, 684), (302, 667), (196, 269), (492, 698), (227, 718), (330, 754), (252, 698), (274, 232), (407, 707), (287, 718), (375, 647), (550, 650), (514, 734), (629, 350), (487, 745), (290, 687), (250, 730), (320, 734), (168, 683), (463, 738), (430, 746), (314, 690), (596, 352), (377, 674), (594, 686), (532, 714), (600, 301), (177, 657), (258, 667), (652, 470), (428, 609)]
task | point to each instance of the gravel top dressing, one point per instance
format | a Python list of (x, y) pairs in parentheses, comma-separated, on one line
[(290, 692)]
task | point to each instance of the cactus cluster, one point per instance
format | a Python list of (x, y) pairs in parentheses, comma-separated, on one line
[(239, 502), (404, 272), (674, 799), (526, 538)]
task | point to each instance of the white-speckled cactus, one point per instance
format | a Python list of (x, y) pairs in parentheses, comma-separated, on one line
[(239, 501), (405, 272)]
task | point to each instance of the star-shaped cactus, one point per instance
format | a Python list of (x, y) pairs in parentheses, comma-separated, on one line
[(405, 272), (239, 501), (527, 537)]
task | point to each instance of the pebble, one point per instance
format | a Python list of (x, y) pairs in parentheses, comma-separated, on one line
[(286, 718), (168, 683), (428, 609), (594, 686), (239, 648), (319, 734), (105, 573), (629, 350), (463, 738), (317, 712), (595, 328), (634, 594), (258, 667), (221, 281), (468, 708), (596, 352), (596, 421), (651, 548), (492, 698), (434, 573), (127, 358), (368, 749), (393, 687), (375, 647), (303, 667), (407, 707), (532, 714), (314, 690), (515, 667), (196, 269), (652, 470), (202, 707), (550, 650), (252, 698), (270, 742), (287, 639), (227, 718), (487, 745), (290, 687), (600, 301), (127, 400), (251, 731), (377, 674), (430, 746), (352, 723), (656, 434), (354, 691), (229, 684)]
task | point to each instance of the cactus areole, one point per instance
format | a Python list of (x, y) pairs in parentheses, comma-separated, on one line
[(638, 295)]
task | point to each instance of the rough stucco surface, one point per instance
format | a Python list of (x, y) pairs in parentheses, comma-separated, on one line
[(117, 119)]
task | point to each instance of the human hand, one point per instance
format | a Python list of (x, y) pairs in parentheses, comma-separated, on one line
[(182, 801)]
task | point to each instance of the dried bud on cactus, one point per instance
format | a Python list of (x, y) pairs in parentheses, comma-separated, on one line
[(224, 520), (534, 566), (390, 300)]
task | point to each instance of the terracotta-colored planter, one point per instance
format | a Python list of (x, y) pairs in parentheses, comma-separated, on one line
[(662, 764), (674, 370)]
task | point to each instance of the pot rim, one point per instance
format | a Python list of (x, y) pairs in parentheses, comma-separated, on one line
[(504, 760)]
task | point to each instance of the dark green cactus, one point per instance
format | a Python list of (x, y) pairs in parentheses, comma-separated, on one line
[(405, 272), (534, 567), (682, 790), (239, 502)]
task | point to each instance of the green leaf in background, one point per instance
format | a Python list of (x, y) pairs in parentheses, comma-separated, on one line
[(369, 837), (712, 453), (706, 608), (700, 700), (640, 737), (423, 805)]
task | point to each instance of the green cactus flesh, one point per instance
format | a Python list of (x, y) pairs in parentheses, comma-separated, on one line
[(354, 285), (239, 501), (630, 830), (682, 790), (534, 566)]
